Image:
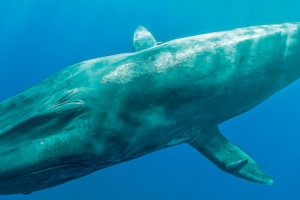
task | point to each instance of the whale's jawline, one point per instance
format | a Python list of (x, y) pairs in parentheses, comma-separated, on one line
[(45, 178)]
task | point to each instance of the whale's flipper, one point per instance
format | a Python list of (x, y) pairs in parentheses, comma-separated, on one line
[(229, 157), (143, 39)]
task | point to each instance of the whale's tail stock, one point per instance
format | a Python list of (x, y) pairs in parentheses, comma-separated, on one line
[(229, 157)]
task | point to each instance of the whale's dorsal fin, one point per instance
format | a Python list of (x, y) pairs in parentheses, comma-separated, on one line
[(143, 39)]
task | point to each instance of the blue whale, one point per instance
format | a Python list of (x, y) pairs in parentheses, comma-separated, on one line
[(109, 110)]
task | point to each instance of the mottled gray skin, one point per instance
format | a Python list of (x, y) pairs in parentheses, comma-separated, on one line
[(110, 110)]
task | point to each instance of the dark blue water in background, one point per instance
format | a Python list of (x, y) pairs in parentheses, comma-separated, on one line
[(38, 38)]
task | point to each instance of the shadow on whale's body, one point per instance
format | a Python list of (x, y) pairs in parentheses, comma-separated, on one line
[(109, 110)]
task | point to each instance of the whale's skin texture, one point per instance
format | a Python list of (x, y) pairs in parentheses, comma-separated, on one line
[(109, 110)]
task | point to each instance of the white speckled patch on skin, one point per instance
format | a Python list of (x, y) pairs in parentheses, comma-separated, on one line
[(121, 75), (163, 61)]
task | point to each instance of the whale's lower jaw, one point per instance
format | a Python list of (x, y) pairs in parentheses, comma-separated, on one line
[(44, 178)]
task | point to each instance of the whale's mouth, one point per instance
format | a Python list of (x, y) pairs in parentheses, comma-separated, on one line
[(44, 178)]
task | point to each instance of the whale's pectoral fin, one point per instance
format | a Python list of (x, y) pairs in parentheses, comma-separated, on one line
[(229, 157), (143, 39)]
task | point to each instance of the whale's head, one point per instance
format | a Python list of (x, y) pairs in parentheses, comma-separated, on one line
[(44, 145)]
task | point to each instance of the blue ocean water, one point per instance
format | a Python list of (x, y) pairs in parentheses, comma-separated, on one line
[(38, 38)]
